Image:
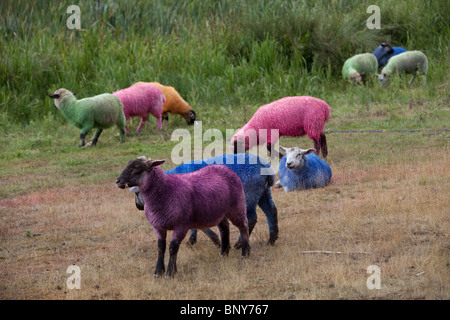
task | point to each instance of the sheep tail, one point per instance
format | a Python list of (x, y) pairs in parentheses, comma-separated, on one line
[(270, 180)]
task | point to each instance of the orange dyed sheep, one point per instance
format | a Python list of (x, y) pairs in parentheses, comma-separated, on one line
[(174, 104)]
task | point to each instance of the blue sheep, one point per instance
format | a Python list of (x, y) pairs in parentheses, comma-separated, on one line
[(384, 52), (255, 181), (302, 169)]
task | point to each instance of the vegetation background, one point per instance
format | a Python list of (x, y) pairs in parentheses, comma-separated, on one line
[(389, 193)]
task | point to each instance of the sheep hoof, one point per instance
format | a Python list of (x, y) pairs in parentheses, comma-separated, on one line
[(277, 185)]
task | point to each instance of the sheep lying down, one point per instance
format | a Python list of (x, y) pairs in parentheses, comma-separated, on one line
[(301, 169)]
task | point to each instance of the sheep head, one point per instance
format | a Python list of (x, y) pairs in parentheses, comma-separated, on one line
[(295, 156), (132, 175), (382, 78), (191, 117), (59, 95), (356, 78)]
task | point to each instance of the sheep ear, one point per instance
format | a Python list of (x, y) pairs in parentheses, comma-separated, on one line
[(154, 163), (283, 149), (142, 158), (311, 150)]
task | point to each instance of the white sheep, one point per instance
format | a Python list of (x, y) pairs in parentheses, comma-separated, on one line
[(409, 62)]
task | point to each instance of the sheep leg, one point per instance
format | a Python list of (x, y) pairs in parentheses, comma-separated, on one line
[(245, 241), (97, 134), (317, 146), (141, 124), (177, 237), (165, 116), (252, 219), (323, 144), (212, 235), (270, 210), (159, 123), (122, 135), (193, 237), (160, 269), (412, 79), (82, 142), (224, 228), (242, 225), (173, 251)]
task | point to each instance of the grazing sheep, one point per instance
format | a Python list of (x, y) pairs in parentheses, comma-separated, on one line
[(359, 67), (100, 112), (292, 116), (299, 169), (384, 52), (174, 104), (409, 62), (256, 187), (140, 100), (179, 202)]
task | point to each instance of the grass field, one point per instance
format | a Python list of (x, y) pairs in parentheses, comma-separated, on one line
[(387, 204)]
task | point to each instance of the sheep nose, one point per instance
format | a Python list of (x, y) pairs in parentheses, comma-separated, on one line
[(289, 164)]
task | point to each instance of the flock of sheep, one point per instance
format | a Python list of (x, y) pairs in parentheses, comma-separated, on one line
[(224, 188), (393, 60)]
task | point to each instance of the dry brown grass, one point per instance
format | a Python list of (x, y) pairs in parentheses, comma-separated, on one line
[(395, 209)]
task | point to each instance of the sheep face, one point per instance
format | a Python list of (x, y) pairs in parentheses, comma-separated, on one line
[(295, 156), (59, 95), (382, 78), (190, 117), (389, 48), (135, 170), (356, 78)]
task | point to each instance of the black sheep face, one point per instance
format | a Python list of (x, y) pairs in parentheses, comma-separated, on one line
[(131, 175), (191, 117)]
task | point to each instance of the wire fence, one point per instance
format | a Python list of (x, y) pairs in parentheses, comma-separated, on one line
[(429, 131)]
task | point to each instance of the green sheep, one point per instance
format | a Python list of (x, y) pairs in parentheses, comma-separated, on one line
[(359, 67), (100, 112), (409, 62)]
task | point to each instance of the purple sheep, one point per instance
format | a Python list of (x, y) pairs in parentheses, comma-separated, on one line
[(140, 100), (179, 202), (292, 116)]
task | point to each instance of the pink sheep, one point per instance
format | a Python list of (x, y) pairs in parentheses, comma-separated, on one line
[(292, 116), (140, 100)]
